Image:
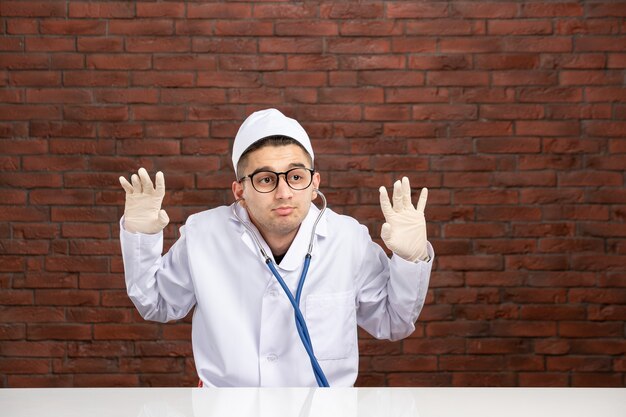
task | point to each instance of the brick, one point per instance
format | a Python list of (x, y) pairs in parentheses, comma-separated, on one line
[(403, 10), (538, 44), (244, 28), (30, 180), (21, 61), (93, 79), (151, 27), (306, 28), (363, 45), (11, 44), (29, 112), (184, 62), (161, 10), (246, 96), (596, 379), (69, 60), (439, 27), (519, 27), (605, 129), (562, 279), (590, 179), (599, 43), (119, 62), (35, 78), (581, 329), (199, 28), (414, 44), (457, 78), (444, 112), (151, 365), (13, 197), (573, 61), (24, 366), (370, 28), (606, 9), (105, 380), (552, 10), (219, 11), (405, 363), (390, 78), (177, 79), (470, 45), (76, 264), (285, 11), (22, 26), (293, 45), (372, 62), (50, 43), (251, 63), (351, 11), (299, 79), (72, 27), (60, 331), (524, 329), (546, 128), (534, 77), (440, 62), (110, 9), (590, 77), (33, 9), (387, 112)]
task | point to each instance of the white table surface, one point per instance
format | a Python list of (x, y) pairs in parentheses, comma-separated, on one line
[(344, 402)]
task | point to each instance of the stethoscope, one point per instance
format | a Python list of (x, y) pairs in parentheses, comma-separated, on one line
[(303, 332)]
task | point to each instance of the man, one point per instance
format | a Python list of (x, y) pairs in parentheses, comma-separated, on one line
[(244, 332)]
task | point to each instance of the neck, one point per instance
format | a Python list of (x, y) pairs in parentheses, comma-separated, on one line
[(279, 244)]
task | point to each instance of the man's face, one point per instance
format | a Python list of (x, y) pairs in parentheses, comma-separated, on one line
[(278, 213)]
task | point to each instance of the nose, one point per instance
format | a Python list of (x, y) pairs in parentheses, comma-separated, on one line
[(283, 190)]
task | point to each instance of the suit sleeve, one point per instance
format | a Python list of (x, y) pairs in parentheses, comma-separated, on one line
[(161, 287), (391, 292)]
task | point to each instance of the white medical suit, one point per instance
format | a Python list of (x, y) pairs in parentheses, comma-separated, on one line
[(243, 330)]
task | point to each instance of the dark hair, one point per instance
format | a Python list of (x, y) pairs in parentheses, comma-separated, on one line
[(276, 140)]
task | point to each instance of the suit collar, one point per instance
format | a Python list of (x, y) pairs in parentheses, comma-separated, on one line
[(295, 254)]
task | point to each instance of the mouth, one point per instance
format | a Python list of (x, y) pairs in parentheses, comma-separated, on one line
[(283, 211)]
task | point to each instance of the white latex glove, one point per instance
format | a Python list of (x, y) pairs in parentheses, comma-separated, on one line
[(142, 212), (405, 229)]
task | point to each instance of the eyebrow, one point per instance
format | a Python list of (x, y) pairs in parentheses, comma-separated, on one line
[(268, 168)]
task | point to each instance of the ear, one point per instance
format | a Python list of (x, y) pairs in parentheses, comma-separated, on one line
[(237, 188), (316, 184)]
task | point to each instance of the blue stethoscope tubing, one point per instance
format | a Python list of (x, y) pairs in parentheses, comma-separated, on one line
[(301, 326)]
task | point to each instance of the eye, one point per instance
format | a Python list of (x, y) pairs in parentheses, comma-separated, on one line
[(264, 178)]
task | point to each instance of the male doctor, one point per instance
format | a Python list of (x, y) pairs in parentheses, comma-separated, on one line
[(244, 332)]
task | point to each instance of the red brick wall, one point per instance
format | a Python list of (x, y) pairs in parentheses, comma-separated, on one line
[(511, 112)]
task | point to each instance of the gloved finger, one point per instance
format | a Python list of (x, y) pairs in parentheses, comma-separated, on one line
[(164, 219), (160, 183), (134, 179), (146, 182), (385, 232), (406, 193), (385, 204), (126, 185), (398, 204), (421, 203)]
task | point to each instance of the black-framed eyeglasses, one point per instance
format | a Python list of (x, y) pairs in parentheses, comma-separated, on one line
[(266, 181)]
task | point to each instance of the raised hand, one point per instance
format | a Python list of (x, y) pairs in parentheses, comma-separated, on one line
[(405, 229), (142, 212)]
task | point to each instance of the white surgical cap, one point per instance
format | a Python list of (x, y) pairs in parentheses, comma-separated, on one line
[(264, 123)]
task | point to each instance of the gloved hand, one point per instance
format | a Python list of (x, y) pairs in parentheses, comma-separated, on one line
[(405, 229), (142, 212)]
